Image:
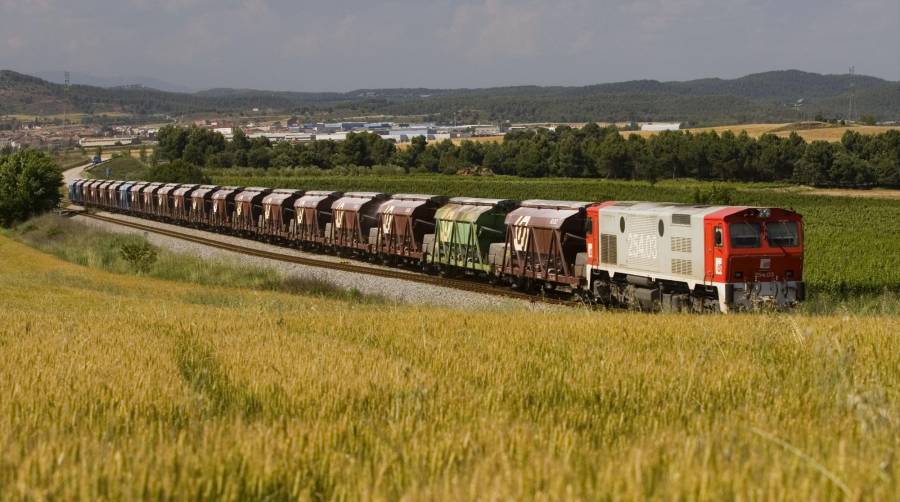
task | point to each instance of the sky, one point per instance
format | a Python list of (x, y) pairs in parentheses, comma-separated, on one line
[(340, 45)]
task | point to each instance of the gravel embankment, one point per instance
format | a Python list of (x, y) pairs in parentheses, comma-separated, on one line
[(394, 289)]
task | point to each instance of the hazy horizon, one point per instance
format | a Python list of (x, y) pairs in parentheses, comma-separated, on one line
[(304, 46)]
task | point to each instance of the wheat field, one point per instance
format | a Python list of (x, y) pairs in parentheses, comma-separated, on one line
[(123, 387)]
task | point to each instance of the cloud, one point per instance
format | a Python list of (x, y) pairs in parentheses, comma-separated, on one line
[(495, 28), (305, 45)]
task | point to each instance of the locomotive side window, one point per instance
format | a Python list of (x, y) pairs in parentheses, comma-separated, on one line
[(718, 236), (745, 234), (783, 233)]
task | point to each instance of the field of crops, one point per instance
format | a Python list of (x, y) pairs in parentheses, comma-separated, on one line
[(852, 243), (123, 387)]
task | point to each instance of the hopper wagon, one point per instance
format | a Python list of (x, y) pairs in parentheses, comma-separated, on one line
[(278, 213), (544, 239), (201, 205), (352, 217), (181, 202), (248, 210), (401, 224), (465, 229), (312, 216), (222, 208)]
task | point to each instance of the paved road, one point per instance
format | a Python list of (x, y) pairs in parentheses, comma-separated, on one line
[(76, 172)]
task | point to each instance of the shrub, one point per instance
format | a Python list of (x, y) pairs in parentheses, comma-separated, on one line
[(714, 195), (177, 171), (140, 254), (29, 185)]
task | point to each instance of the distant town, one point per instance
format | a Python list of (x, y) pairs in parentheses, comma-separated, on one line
[(48, 135)]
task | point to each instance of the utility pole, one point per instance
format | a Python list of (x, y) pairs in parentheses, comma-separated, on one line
[(66, 103), (852, 89)]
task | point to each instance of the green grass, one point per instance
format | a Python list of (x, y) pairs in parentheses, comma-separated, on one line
[(69, 159), (119, 168), (852, 244), (132, 254)]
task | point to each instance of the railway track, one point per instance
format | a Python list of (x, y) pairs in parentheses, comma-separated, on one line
[(447, 282)]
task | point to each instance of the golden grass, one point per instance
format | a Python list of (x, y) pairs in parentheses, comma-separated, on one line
[(122, 388)]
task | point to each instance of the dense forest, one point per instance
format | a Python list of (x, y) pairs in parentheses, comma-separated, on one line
[(591, 152), (763, 97)]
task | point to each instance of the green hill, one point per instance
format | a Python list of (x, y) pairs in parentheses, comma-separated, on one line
[(754, 98)]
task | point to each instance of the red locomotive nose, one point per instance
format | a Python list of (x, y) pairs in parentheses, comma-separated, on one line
[(756, 246)]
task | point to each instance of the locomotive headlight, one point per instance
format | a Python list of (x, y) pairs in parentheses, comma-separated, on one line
[(765, 213), (738, 275)]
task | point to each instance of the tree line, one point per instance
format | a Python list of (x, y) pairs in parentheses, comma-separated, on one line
[(590, 152)]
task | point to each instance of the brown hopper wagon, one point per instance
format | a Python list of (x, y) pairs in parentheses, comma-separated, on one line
[(201, 204), (101, 192), (112, 194), (403, 221), (278, 213), (135, 196), (544, 239), (92, 191), (312, 214), (180, 205), (148, 197), (248, 209), (163, 207), (104, 193), (222, 206), (353, 216)]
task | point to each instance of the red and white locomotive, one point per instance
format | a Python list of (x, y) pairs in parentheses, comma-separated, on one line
[(694, 257)]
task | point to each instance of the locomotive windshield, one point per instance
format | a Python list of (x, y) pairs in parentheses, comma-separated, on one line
[(745, 234), (782, 233)]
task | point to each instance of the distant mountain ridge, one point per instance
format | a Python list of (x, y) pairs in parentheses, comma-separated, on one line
[(78, 78), (768, 96)]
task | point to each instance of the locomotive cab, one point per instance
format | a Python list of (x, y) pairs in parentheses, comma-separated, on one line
[(755, 257)]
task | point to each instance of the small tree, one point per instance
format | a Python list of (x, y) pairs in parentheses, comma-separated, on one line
[(177, 171), (29, 185)]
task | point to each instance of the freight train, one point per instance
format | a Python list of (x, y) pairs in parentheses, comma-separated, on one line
[(644, 255)]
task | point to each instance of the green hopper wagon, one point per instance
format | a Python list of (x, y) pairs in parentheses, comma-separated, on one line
[(465, 228)]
